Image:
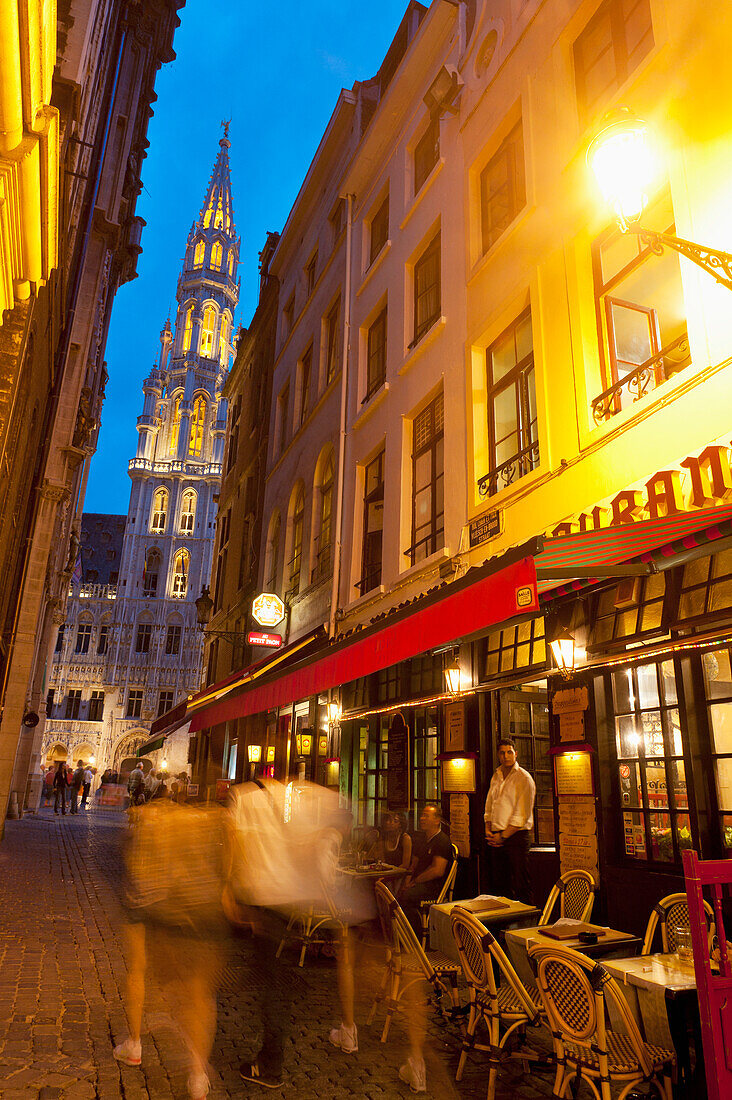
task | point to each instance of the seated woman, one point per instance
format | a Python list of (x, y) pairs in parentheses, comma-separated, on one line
[(395, 844)]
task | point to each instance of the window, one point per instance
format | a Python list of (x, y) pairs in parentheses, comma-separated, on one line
[(323, 541), (502, 187), (273, 553), (134, 703), (96, 706), (198, 422), (427, 289), (172, 639), (216, 255), (310, 270), (60, 638), (234, 427), (515, 648), (373, 524), (706, 587), (283, 413), (150, 572), (295, 563), (428, 507), (181, 565), (144, 634), (633, 606), (224, 525), (288, 317), (306, 368), (49, 701), (426, 766), (230, 264), (332, 328), (207, 331), (651, 771), (524, 716), (103, 639), (718, 691), (611, 46), (188, 328), (188, 512), (159, 514), (379, 230), (175, 426), (83, 637), (512, 417), (641, 315), (337, 220), (224, 339), (198, 252), (73, 703), (165, 702), (376, 355), (426, 153)]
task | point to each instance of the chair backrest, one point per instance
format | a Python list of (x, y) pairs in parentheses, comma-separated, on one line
[(448, 885), (670, 913), (386, 905), (407, 942), (575, 891), (479, 950), (575, 991)]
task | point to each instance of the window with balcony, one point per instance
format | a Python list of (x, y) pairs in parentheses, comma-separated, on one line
[(427, 289), (296, 531), (181, 565), (611, 46), (641, 316), (323, 542), (373, 524), (332, 348), (273, 554), (151, 572), (172, 639), (512, 417), (428, 474), (73, 703), (379, 230), (103, 639), (426, 153), (165, 702), (188, 512), (134, 703), (83, 637), (502, 187), (96, 706), (144, 636), (376, 355)]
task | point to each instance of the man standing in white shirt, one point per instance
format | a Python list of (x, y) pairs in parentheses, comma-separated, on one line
[(509, 825)]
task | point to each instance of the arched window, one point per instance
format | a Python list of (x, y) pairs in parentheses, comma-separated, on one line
[(175, 426), (224, 339), (231, 263), (295, 562), (181, 564), (188, 328), (216, 256), (188, 512), (198, 421), (325, 526), (207, 331), (273, 553), (219, 221), (159, 514), (198, 253), (151, 572)]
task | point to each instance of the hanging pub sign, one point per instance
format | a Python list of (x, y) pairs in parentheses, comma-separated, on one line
[(268, 609), (399, 769)]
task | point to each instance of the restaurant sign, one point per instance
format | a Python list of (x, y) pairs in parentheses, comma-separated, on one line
[(261, 637), (268, 609)]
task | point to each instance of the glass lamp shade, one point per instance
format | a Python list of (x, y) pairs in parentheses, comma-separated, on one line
[(453, 678), (204, 607), (562, 648), (254, 752), (624, 165), (334, 712)]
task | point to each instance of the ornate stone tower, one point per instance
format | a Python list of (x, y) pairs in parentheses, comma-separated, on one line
[(153, 647)]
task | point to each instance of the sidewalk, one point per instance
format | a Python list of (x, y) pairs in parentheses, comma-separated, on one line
[(62, 977)]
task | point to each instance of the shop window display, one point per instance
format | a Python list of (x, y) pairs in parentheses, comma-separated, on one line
[(717, 668)]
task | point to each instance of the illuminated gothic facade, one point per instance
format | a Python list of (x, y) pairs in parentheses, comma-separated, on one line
[(130, 647)]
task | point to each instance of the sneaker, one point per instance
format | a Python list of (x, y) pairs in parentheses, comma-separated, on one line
[(198, 1086), (129, 1052), (251, 1071), (346, 1038), (414, 1074)]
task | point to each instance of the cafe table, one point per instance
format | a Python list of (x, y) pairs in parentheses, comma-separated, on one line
[(512, 914), (610, 941), (372, 872)]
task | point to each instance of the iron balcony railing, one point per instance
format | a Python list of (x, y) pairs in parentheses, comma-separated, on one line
[(637, 383), (514, 468)]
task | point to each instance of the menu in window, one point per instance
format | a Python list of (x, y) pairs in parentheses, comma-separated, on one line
[(397, 776), (573, 773)]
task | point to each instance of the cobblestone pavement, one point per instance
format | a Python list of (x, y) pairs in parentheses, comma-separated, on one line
[(62, 975)]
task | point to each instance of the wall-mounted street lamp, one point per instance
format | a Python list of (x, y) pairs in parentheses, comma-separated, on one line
[(453, 677), (625, 166), (204, 609), (334, 712), (563, 652)]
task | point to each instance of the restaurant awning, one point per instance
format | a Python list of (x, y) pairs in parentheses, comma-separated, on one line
[(591, 555), (150, 745), (500, 590)]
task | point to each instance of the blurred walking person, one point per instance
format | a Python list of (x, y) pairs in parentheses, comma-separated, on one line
[(48, 785), (88, 777), (60, 786), (77, 782)]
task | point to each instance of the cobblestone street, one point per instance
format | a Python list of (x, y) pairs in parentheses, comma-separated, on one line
[(62, 979)]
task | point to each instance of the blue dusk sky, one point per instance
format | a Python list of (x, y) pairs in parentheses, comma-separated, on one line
[(276, 72)]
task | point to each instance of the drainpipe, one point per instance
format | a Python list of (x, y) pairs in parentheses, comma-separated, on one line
[(342, 436)]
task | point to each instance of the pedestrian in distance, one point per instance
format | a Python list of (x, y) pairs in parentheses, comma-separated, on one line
[(88, 777), (48, 784), (136, 786), (509, 825), (60, 786), (77, 782)]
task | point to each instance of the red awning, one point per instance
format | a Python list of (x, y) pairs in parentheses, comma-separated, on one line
[(492, 594)]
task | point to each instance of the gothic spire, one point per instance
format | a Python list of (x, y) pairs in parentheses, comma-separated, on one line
[(217, 211)]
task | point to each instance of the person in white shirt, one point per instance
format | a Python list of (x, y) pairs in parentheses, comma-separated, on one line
[(509, 825), (88, 777)]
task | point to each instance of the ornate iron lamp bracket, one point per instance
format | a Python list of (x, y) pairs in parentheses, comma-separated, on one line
[(715, 263)]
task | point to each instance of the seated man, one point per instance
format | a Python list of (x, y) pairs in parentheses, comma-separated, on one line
[(431, 860)]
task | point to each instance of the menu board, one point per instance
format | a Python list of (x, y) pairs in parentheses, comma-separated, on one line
[(454, 727), (398, 773), (573, 773), (578, 848), (460, 823)]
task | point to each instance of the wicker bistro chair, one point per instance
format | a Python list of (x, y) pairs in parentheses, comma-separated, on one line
[(575, 891), (444, 895), (310, 924), (407, 962), (668, 914), (509, 1007), (576, 991)]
